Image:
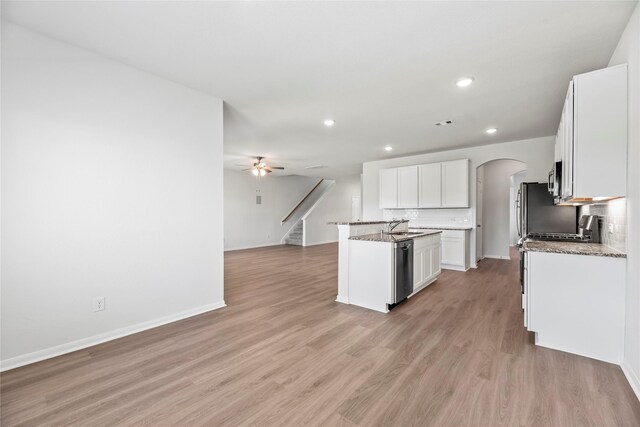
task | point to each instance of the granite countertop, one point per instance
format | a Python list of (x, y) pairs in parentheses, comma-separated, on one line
[(362, 222), (443, 227), (572, 248), (391, 238)]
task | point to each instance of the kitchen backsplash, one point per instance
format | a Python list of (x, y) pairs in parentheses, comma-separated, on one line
[(428, 217), (614, 228)]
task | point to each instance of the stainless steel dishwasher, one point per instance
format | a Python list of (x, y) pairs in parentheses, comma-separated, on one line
[(404, 271)]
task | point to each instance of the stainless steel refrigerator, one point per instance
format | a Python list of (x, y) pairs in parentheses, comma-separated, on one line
[(536, 212)]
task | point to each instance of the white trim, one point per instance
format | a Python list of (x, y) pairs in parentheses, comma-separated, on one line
[(80, 344), (553, 346), (453, 267), (342, 299), (323, 242), (497, 256), (241, 248), (634, 382)]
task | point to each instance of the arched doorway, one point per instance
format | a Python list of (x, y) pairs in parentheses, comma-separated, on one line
[(496, 181)]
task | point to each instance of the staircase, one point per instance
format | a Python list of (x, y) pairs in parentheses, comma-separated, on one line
[(295, 219), (295, 236)]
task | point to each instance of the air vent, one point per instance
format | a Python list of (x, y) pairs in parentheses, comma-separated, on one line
[(444, 123)]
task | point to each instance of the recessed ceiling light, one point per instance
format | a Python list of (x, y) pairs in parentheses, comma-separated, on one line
[(465, 82), (491, 131), (388, 148), (329, 122)]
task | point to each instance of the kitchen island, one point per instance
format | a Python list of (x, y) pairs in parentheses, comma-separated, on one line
[(367, 262)]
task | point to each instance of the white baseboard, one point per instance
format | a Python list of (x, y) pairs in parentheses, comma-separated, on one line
[(633, 379), (342, 299), (321, 243), (48, 353), (241, 248), (497, 256), (540, 342), (453, 267)]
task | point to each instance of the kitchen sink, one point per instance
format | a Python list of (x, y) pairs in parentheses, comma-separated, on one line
[(404, 233)]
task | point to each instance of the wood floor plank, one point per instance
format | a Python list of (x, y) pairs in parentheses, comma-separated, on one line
[(284, 353)]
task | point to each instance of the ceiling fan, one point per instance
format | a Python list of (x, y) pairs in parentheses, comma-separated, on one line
[(260, 168)]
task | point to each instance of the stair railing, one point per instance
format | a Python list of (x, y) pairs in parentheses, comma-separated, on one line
[(300, 202)]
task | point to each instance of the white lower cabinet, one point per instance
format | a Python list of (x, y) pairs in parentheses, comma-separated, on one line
[(455, 250), (426, 261), (576, 303)]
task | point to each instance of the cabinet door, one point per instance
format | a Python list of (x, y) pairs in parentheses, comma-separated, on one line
[(388, 188), (600, 133), (430, 185), (427, 270), (436, 256), (418, 267), (453, 251), (567, 145), (408, 187), (455, 184)]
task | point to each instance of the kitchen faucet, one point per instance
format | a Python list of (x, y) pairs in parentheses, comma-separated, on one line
[(393, 224)]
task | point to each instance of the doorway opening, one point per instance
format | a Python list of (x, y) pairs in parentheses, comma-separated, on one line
[(497, 183)]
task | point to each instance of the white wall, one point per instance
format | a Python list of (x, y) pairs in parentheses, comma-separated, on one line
[(628, 50), (249, 225), (496, 207), (111, 186), (516, 180), (537, 153), (336, 206)]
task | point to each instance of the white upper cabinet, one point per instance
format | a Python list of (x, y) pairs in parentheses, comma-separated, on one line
[(430, 186), (600, 133), (433, 185), (388, 188), (455, 184), (408, 187), (592, 136)]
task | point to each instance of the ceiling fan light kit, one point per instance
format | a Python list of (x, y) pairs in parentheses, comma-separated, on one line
[(260, 168)]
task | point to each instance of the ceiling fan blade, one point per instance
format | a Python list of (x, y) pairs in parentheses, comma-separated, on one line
[(277, 167), (248, 169), (240, 165)]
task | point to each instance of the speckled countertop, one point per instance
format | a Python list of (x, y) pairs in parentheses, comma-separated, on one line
[(362, 222), (391, 238), (572, 248), (444, 227)]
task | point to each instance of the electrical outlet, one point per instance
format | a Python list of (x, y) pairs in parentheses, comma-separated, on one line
[(98, 304), (610, 228)]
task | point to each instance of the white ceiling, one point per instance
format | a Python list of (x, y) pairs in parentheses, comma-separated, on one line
[(385, 71)]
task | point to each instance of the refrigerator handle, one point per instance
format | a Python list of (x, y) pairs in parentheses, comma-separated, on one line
[(517, 212)]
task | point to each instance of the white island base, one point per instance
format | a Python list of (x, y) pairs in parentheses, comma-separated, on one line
[(371, 280)]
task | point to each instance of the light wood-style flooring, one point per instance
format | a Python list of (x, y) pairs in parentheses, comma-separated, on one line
[(283, 353)]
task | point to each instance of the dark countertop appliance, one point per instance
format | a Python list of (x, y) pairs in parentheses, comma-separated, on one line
[(590, 228)]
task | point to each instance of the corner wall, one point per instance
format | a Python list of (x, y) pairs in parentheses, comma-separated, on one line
[(628, 51), (111, 186)]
